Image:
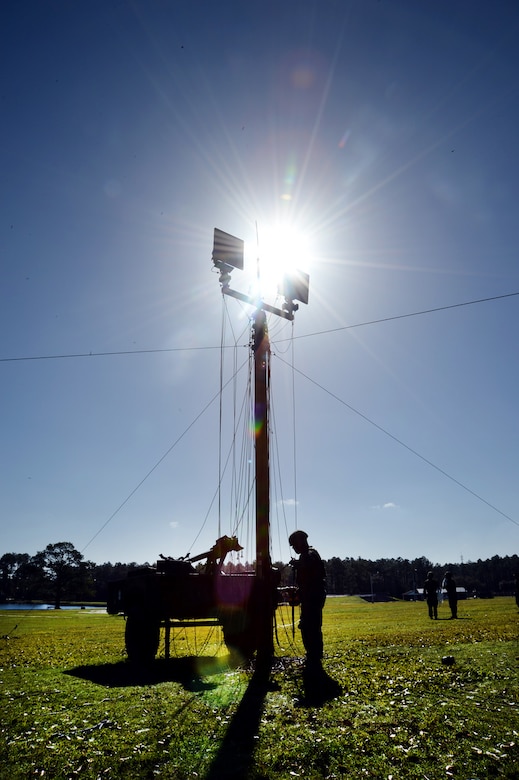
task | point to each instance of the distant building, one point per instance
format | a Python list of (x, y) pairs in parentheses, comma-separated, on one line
[(413, 595), (417, 594), (376, 597)]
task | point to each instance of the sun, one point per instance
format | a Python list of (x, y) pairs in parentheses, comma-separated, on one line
[(282, 249)]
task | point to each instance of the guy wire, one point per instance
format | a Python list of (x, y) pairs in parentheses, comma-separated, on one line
[(294, 427), (220, 416)]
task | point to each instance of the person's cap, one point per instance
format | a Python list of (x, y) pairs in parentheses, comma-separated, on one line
[(297, 535)]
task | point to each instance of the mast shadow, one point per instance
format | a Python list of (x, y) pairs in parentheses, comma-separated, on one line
[(189, 671), (234, 760), (235, 756)]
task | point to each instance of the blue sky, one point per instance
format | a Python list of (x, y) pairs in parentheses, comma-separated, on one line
[(385, 134)]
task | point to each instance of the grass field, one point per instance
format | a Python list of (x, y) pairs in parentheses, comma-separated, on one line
[(73, 707)]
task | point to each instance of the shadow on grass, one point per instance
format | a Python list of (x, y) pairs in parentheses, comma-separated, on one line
[(235, 756), (187, 671)]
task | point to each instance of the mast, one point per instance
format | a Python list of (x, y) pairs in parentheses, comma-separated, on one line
[(267, 605), (227, 255), (261, 348)]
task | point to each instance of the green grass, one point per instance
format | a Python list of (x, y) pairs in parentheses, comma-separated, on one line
[(72, 706)]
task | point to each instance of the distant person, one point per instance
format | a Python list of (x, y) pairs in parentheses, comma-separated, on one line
[(311, 583), (452, 594), (516, 577), (430, 588)]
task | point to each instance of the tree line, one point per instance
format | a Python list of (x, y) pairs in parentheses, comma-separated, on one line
[(60, 573)]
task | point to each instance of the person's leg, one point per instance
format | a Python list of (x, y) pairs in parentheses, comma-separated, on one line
[(311, 631)]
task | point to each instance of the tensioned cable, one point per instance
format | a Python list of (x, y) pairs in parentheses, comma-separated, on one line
[(242, 488), (215, 496), (218, 488), (274, 439), (240, 417), (276, 483), (223, 468), (294, 444), (405, 316), (225, 319), (402, 444), (302, 336), (238, 413), (220, 417), (157, 464), (107, 354)]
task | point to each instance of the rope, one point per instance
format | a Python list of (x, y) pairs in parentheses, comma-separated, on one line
[(405, 446), (288, 626), (294, 430), (220, 417)]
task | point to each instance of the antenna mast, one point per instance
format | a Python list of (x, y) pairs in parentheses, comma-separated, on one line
[(227, 255)]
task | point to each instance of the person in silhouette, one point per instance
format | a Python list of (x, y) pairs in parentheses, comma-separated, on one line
[(430, 589), (516, 577), (452, 594), (311, 584)]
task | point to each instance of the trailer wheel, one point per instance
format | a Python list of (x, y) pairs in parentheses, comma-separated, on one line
[(141, 636), (240, 638)]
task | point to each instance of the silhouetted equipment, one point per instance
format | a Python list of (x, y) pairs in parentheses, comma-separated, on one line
[(174, 594), (218, 552), (294, 286), (227, 250)]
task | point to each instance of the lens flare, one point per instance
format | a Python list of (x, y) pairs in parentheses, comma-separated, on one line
[(282, 249)]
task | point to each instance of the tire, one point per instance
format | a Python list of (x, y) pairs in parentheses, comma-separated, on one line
[(141, 636), (240, 637)]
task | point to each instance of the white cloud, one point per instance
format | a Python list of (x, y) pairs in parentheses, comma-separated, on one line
[(288, 502)]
